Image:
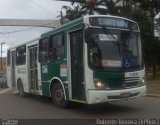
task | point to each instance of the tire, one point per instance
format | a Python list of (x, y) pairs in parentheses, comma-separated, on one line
[(58, 96), (21, 89)]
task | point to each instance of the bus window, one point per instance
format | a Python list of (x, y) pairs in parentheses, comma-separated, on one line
[(43, 50), (8, 58), (57, 47), (21, 55)]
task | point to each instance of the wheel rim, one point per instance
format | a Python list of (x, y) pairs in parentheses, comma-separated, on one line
[(59, 95)]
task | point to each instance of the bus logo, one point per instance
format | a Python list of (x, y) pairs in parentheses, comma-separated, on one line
[(44, 69)]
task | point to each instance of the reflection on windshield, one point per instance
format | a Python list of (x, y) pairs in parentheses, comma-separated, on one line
[(129, 43), (104, 49)]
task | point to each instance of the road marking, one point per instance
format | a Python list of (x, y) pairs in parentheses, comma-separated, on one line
[(5, 90)]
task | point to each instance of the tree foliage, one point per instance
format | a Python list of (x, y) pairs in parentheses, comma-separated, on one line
[(82, 7)]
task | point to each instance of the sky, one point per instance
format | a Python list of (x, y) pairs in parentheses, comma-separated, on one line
[(26, 9), (30, 9)]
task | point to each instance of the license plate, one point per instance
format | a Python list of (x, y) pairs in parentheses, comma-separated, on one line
[(125, 95)]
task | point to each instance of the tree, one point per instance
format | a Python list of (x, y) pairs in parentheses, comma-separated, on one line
[(144, 11), (113, 7), (152, 7), (83, 7), (72, 13)]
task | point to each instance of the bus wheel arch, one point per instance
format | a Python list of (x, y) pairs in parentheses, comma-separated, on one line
[(20, 87), (58, 93)]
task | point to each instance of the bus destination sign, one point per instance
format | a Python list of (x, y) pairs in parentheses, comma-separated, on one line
[(113, 23)]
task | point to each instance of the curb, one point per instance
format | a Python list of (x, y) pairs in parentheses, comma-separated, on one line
[(5, 90), (153, 95)]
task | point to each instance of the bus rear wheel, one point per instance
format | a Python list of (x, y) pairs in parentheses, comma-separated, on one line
[(58, 96)]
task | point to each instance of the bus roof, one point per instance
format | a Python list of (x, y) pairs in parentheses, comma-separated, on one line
[(62, 27), (77, 21), (23, 43)]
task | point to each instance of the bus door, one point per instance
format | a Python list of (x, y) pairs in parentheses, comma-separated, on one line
[(33, 75), (77, 71), (13, 63)]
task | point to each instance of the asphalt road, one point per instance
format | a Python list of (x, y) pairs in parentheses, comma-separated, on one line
[(36, 107)]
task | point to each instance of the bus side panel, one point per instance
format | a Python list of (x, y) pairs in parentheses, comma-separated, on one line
[(21, 72), (50, 71)]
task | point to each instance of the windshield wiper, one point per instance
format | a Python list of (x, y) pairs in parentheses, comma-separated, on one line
[(115, 39)]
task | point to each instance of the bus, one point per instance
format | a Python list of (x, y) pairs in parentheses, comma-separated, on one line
[(93, 59)]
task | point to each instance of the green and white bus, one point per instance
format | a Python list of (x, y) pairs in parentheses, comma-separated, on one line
[(94, 59)]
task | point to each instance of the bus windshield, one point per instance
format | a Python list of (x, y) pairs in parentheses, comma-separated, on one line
[(114, 49)]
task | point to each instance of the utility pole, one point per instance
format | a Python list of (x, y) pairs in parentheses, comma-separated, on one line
[(1, 56)]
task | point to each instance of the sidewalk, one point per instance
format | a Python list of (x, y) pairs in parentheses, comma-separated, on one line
[(4, 89), (153, 88), (1, 89)]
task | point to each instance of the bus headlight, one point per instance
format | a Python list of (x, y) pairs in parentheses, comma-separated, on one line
[(99, 84), (141, 81)]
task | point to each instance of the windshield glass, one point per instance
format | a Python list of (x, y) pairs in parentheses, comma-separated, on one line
[(114, 49)]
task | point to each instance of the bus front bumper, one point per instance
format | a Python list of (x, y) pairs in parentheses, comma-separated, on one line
[(101, 96)]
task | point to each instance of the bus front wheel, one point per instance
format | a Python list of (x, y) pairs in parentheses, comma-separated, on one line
[(58, 96)]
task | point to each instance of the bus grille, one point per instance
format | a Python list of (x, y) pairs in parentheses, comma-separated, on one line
[(116, 84)]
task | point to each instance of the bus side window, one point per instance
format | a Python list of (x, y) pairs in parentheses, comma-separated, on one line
[(57, 47), (21, 55), (43, 49)]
